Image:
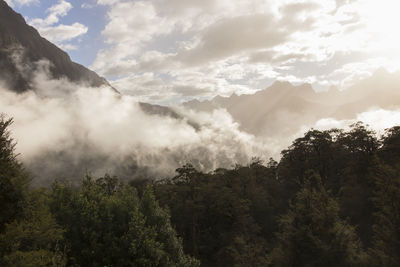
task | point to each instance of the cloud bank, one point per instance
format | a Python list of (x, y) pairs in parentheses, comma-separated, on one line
[(64, 130), (199, 49)]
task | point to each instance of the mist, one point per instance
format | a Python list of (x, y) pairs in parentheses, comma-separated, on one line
[(65, 130)]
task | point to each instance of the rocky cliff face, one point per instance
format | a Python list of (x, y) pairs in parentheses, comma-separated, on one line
[(22, 43)]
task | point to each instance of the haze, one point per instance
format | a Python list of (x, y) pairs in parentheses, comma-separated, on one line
[(242, 78)]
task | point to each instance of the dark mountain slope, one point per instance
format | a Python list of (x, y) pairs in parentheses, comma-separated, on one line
[(17, 36), (21, 47)]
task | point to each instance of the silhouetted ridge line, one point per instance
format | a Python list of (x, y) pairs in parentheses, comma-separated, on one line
[(18, 37)]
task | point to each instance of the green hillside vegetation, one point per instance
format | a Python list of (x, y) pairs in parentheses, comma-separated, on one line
[(332, 200)]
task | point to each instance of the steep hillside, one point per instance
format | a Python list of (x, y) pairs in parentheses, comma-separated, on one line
[(21, 44)]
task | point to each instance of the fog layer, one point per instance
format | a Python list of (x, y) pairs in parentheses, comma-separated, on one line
[(95, 130), (65, 130)]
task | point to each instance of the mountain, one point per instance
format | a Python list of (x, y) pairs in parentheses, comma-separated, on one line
[(268, 111), (21, 44), (282, 108)]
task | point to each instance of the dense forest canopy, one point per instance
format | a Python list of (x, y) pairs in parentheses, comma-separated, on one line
[(333, 199)]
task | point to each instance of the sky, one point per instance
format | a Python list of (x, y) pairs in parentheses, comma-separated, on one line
[(169, 51)]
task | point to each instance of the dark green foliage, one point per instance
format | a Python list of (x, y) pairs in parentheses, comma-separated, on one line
[(390, 151), (108, 224), (241, 216), (342, 160), (33, 240), (28, 231), (13, 180), (312, 234), (332, 200), (386, 229), (224, 217), (102, 223)]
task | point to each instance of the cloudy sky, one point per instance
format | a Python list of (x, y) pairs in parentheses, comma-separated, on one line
[(168, 51)]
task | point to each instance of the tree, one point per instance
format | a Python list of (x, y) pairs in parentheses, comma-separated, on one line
[(386, 229), (34, 239), (158, 220), (225, 216), (188, 207), (312, 233), (385, 175), (29, 235), (108, 224), (359, 147), (13, 179), (390, 151), (315, 151)]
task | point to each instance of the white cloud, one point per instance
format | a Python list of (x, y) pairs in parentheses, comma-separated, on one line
[(233, 36), (60, 34), (107, 2), (208, 32), (55, 12), (377, 119), (269, 39), (131, 25), (68, 47), (87, 6), (13, 3)]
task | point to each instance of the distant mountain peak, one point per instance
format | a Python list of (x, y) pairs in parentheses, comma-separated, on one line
[(218, 98), (281, 84), (306, 88), (16, 33), (381, 72), (333, 89), (288, 89)]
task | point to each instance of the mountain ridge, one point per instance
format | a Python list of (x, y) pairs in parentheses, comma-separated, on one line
[(15, 34), (285, 106)]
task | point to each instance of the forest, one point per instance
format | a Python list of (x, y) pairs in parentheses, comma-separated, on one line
[(333, 199)]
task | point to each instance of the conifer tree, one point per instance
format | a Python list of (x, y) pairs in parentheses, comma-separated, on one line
[(385, 249), (109, 224), (29, 235), (312, 233), (13, 179)]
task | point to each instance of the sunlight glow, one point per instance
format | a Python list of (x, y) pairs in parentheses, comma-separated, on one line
[(382, 20)]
